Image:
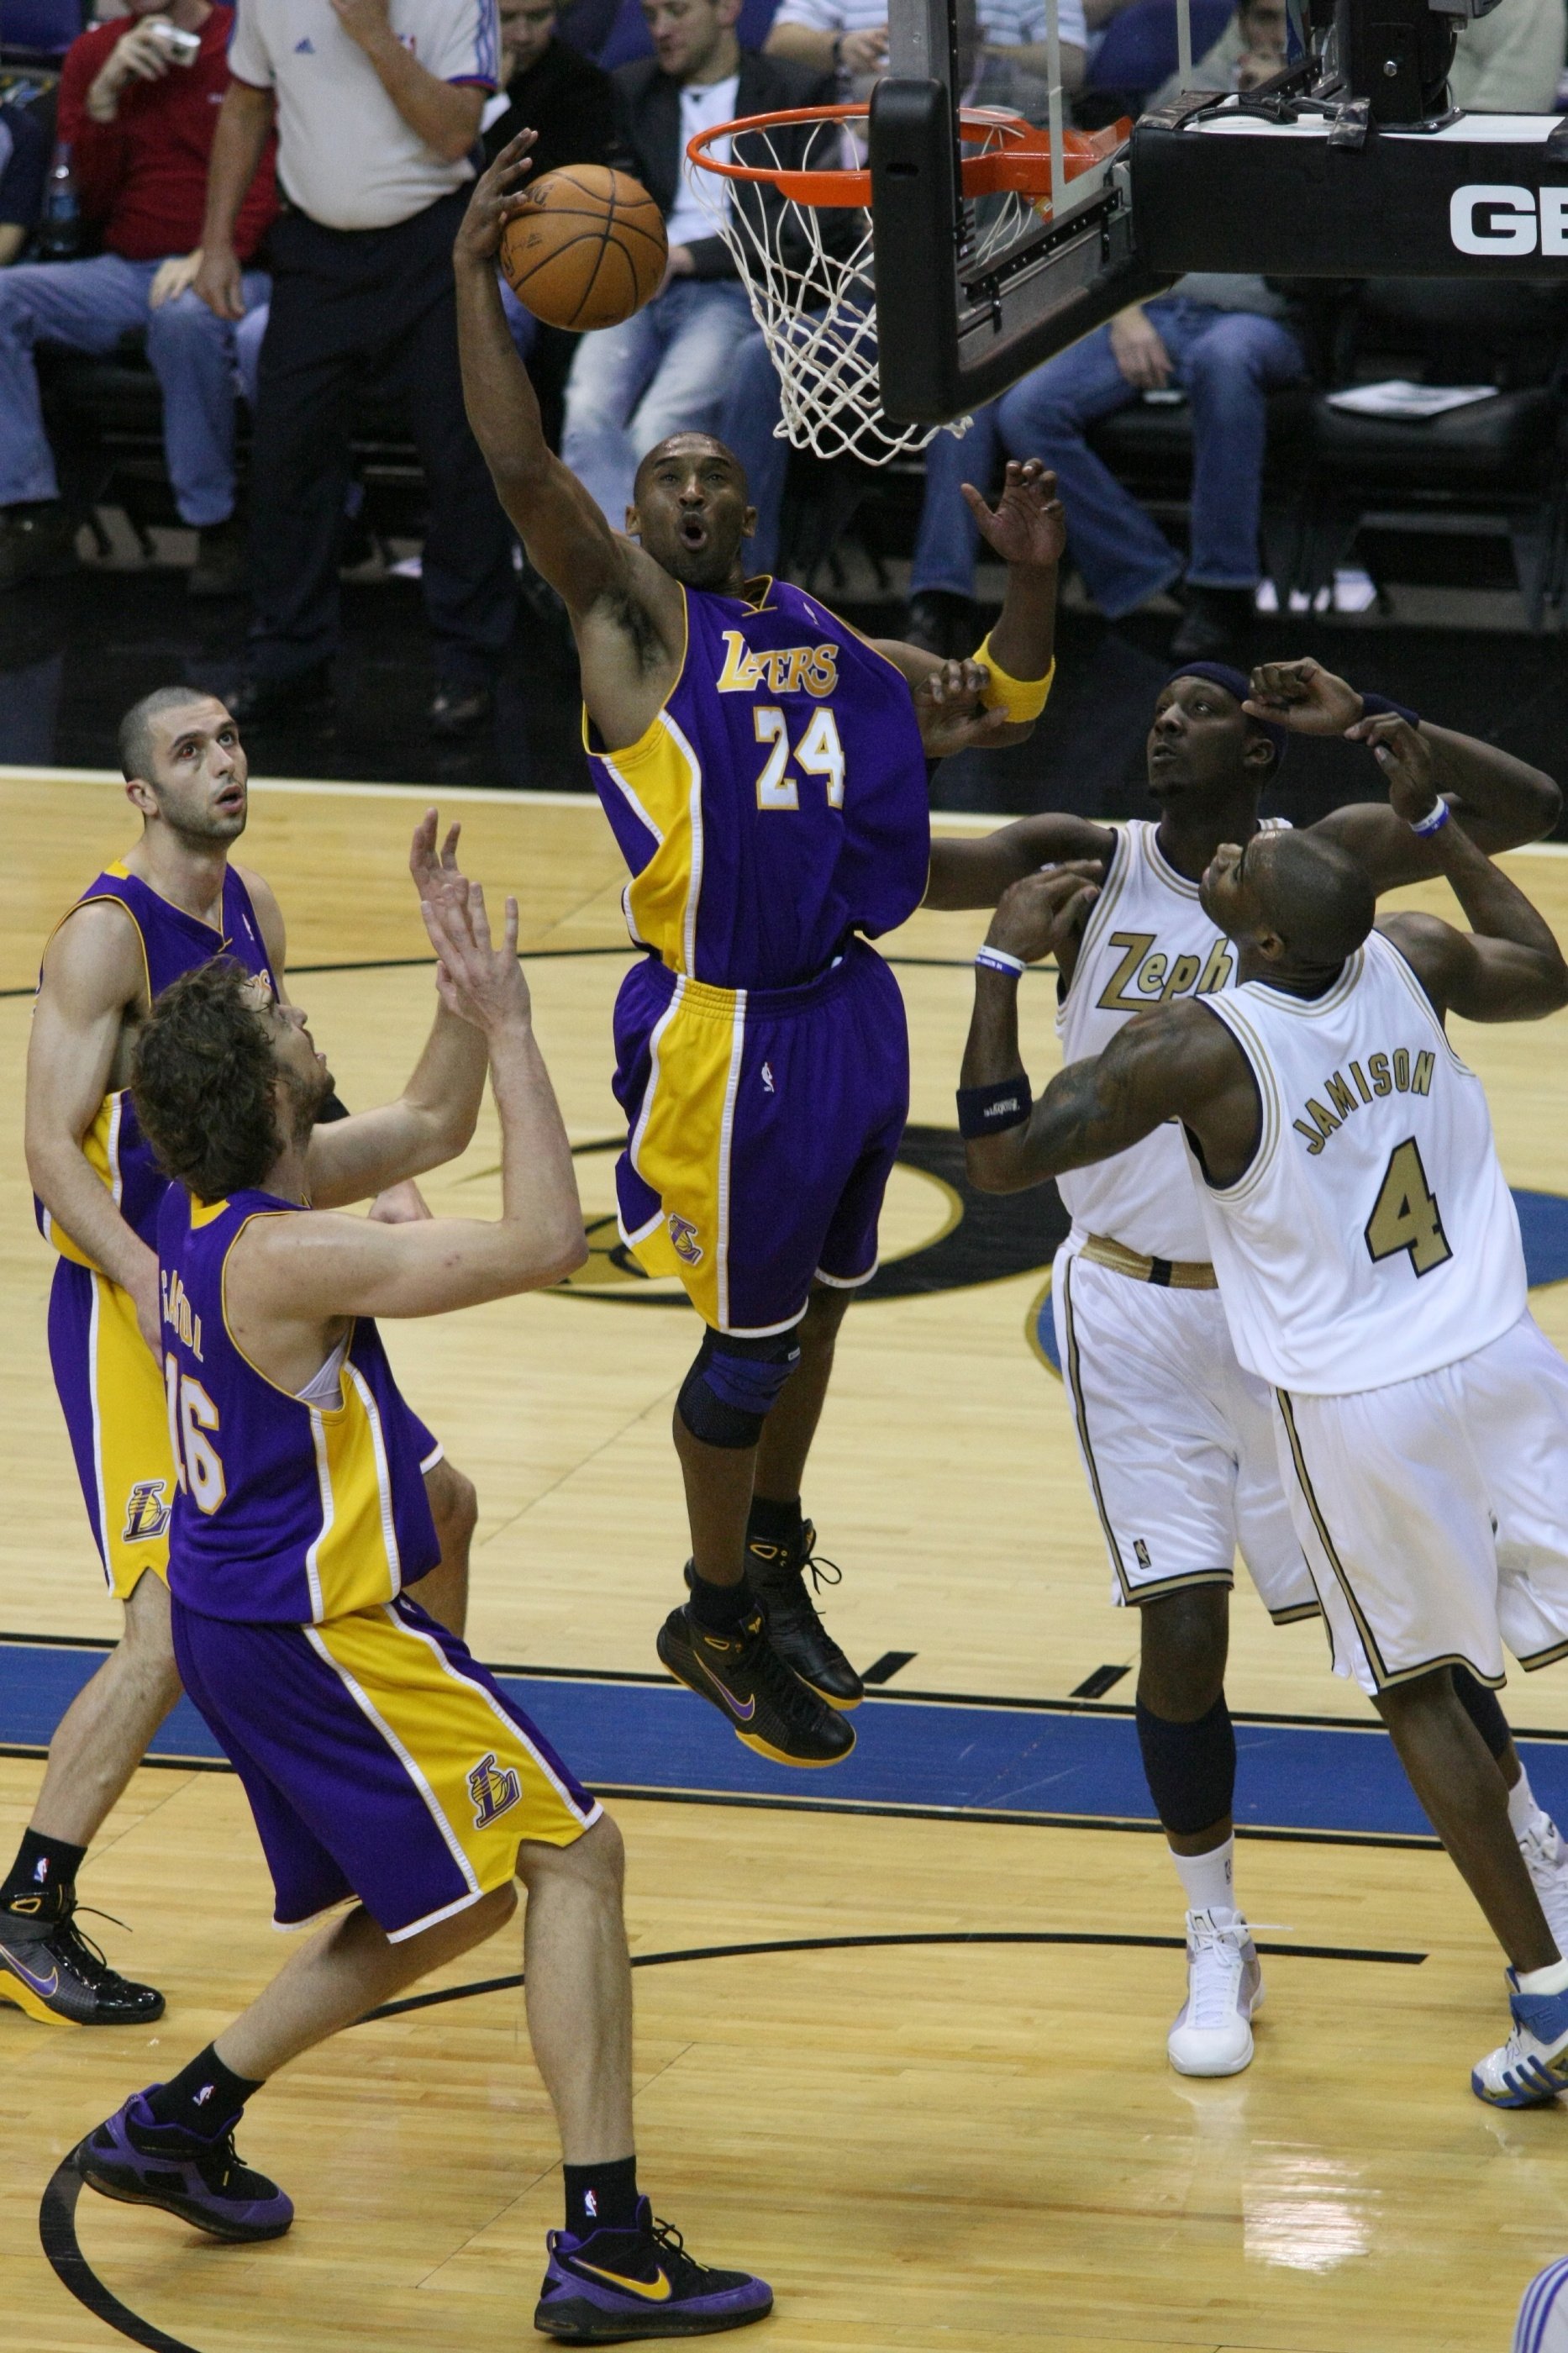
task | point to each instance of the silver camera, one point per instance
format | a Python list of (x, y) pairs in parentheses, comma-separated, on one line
[(183, 49)]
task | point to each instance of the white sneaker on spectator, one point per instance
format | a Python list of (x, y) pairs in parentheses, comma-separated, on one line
[(1212, 2032)]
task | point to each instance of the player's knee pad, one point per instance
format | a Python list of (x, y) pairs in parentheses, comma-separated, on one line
[(734, 1385), (1189, 1767), (1484, 1709)]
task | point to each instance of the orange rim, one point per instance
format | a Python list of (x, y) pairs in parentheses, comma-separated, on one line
[(1020, 166)]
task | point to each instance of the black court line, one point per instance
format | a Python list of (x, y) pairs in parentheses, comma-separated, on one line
[(883, 1670), (56, 2213), (1096, 1685)]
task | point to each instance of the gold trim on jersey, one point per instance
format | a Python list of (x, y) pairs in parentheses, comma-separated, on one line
[(1412, 980), (1226, 1007), (1383, 1676), (1169, 1273), (1099, 915)]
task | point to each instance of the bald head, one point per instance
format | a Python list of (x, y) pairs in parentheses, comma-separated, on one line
[(1312, 893), (687, 445)]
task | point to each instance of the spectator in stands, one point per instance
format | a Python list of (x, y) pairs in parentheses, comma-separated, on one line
[(24, 161), (1510, 62), (1226, 341), (378, 105), (849, 38), (140, 127), (549, 87), (668, 369), (1252, 49)]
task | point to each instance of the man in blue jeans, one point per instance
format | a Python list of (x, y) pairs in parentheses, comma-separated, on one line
[(1224, 341), (668, 370)]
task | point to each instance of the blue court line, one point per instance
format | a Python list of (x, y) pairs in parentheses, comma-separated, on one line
[(1542, 1227), (989, 1760)]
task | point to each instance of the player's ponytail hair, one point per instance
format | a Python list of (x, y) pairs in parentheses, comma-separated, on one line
[(202, 1081)]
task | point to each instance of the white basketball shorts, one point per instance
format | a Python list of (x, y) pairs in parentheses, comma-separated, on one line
[(1176, 1439), (1542, 2326), (1435, 1513)]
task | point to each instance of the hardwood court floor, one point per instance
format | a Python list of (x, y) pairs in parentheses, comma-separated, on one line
[(924, 2147)]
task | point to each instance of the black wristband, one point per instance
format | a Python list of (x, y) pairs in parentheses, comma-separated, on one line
[(986, 1111), (333, 1108), (1378, 706)]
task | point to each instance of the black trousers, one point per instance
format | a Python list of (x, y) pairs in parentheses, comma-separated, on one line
[(348, 304)]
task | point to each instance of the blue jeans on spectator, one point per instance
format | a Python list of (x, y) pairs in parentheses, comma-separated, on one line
[(665, 371), (752, 409), (87, 306), (1225, 361)]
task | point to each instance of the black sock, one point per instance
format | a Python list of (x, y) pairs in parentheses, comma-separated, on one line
[(43, 1877), (1484, 1709), (718, 1609), (777, 1524), (601, 2197), (204, 2098)]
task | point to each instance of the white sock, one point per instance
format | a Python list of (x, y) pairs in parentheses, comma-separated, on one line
[(1524, 1815), (1208, 1879), (1554, 1980)]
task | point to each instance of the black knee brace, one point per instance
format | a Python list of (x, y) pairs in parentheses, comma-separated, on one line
[(1484, 1710), (1189, 1767), (734, 1385)]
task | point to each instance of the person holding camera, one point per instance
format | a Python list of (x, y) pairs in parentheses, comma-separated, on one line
[(139, 101)]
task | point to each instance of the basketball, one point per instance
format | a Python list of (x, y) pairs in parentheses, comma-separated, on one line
[(587, 249)]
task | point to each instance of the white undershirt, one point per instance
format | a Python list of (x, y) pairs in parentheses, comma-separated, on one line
[(701, 104)]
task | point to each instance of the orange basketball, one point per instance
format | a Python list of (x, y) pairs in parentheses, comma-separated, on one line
[(587, 249)]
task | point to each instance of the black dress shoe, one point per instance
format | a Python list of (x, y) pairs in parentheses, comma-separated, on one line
[(304, 694), (1217, 621), (38, 542), (942, 623), (457, 710), (222, 567)]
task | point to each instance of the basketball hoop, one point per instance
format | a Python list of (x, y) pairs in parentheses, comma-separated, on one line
[(806, 259)]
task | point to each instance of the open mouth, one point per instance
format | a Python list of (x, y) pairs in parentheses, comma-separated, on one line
[(230, 802), (693, 531)]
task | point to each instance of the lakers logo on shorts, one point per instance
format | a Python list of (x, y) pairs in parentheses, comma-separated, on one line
[(683, 1234), (147, 1516), (494, 1789)]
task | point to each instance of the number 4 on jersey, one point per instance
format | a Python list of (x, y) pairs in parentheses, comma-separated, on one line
[(1406, 1218)]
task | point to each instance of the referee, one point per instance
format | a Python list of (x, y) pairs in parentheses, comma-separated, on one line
[(377, 105)]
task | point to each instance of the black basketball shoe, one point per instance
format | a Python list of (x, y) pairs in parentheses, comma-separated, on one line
[(777, 1574), (763, 1704), (48, 1969)]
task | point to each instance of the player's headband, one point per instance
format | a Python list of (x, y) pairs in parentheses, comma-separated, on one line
[(1236, 682)]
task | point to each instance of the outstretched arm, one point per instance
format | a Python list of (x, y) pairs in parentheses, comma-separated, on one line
[(1177, 1063), (1508, 966), (1002, 697), (975, 873), (1502, 802)]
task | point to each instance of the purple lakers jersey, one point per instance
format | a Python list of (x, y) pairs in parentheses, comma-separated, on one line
[(288, 1511), (172, 943), (777, 803)]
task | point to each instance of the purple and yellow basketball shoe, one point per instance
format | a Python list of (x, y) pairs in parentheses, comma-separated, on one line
[(54, 1973), (1532, 2068), (762, 1702), (617, 2284), (777, 1574), (133, 2157)]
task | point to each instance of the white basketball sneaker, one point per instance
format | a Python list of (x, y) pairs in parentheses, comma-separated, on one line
[(1213, 2035), (1532, 2068), (1545, 1853)]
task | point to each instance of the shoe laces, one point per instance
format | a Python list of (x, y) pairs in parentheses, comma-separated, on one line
[(69, 1944), (1543, 1852), (1215, 1974), (683, 2268)]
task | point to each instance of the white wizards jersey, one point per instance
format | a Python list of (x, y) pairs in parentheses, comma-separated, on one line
[(1372, 1238), (1147, 939)]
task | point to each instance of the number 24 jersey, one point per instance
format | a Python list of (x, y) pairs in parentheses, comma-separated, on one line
[(1372, 1238)]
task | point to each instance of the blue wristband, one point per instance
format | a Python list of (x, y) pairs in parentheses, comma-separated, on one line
[(986, 1111), (1433, 822), (1378, 706)]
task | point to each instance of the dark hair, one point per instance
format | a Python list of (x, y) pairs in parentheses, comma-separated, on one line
[(688, 433), (135, 744), (202, 1082)]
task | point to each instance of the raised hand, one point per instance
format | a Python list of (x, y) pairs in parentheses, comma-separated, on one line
[(1304, 697), (1038, 916), (475, 980), (1026, 525), (1405, 756), (499, 196), (432, 874)]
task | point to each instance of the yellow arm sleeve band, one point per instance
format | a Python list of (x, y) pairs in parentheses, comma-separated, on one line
[(1022, 698)]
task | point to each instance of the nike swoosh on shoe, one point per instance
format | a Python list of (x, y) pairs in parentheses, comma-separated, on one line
[(45, 1987), (655, 2291), (743, 1714)]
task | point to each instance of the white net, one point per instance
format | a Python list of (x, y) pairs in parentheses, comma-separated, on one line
[(807, 269)]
